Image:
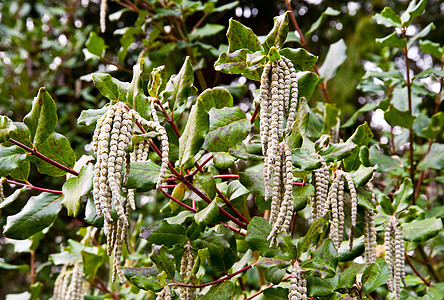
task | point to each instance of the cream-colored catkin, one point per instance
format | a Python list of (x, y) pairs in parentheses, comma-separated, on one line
[(399, 267), (292, 87), (75, 291), (288, 185), (354, 206), (298, 284), (58, 284), (103, 7), (370, 235), (332, 200), (65, 285), (341, 215), (389, 251), (321, 176), (165, 294), (2, 194), (186, 265), (120, 238), (276, 198)]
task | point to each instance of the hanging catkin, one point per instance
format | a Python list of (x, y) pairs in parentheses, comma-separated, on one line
[(394, 256)]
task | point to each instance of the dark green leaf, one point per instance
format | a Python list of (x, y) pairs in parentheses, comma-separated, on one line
[(301, 195), (395, 117), (143, 176), (388, 13), (218, 97), (300, 125), (344, 250), (275, 293), (57, 148), (432, 48), (335, 57), (305, 161), (427, 72), (386, 205), (228, 126), (288, 245), (236, 63), (362, 175), (166, 234), (257, 232), (335, 152), (278, 34), (163, 260), (241, 37), (6, 266), (95, 44), (76, 187), (92, 261), (328, 253), (157, 81), (10, 159), (313, 234), (435, 127), (242, 153), (11, 198), (348, 277), (307, 84), (6, 126), (274, 269), (318, 287), (315, 26), (403, 195), (146, 283), (273, 54), (254, 181), (42, 119), (208, 214), (421, 34), (223, 160), (392, 40), (38, 213), (301, 58), (90, 116), (421, 230), (413, 10), (221, 291), (194, 134), (205, 31), (318, 267), (434, 159), (374, 276), (206, 181)]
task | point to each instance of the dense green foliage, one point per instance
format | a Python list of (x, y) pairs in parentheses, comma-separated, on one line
[(205, 86)]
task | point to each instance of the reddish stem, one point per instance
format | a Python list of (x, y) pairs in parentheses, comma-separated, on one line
[(233, 229), (427, 283), (255, 113), (30, 186), (43, 157), (228, 203), (261, 291), (226, 176), (216, 281), (199, 167), (177, 201)]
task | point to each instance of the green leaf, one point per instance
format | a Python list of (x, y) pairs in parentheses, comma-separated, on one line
[(313, 234), (42, 119), (163, 260), (434, 159), (328, 253), (181, 86), (76, 187), (257, 232), (301, 58), (344, 250), (241, 152), (315, 26), (11, 198), (90, 116), (221, 291), (194, 134), (403, 195), (208, 214), (166, 234), (392, 40), (276, 293), (318, 267), (223, 160), (10, 159), (236, 63), (157, 81), (335, 152), (6, 126), (206, 31), (273, 54), (432, 48), (93, 260), (57, 148), (36, 290), (135, 96), (107, 86), (278, 34), (348, 277), (208, 184), (38, 213), (362, 175), (253, 181), (300, 125), (274, 269), (361, 137), (145, 283), (301, 194), (6, 266), (374, 276), (427, 72), (435, 127), (307, 84), (218, 97), (386, 205), (336, 55), (421, 230), (303, 160), (241, 37), (413, 10), (143, 176), (388, 18), (288, 245), (421, 34), (95, 44), (228, 126), (319, 287)]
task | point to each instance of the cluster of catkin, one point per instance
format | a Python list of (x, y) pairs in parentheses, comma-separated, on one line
[(186, 266), (2, 193), (298, 284), (68, 285), (111, 140), (370, 235), (165, 294), (278, 98), (103, 6), (394, 255)]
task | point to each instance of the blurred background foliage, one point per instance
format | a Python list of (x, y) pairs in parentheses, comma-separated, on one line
[(44, 43)]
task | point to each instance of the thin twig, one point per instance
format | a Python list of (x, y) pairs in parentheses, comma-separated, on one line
[(234, 176), (177, 201), (35, 153), (427, 283), (33, 187), (261, 291), (255, 113)]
